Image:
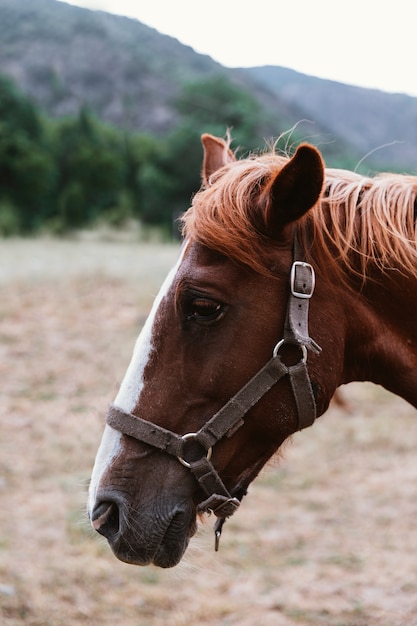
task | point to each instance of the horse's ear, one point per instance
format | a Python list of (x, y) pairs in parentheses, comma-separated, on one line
[(295, 190), (216, 154)]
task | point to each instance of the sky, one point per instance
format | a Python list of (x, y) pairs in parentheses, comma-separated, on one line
[(369, 43)]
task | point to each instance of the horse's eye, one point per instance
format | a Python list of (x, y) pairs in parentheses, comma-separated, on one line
[(205, 311)]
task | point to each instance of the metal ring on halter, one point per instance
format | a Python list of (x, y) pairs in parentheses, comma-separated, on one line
[(292, 343), (186, 438)]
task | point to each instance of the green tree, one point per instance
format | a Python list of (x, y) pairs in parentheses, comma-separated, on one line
[(91, 167), (26, 168), (216, 104), (171, 178), (144, 178)]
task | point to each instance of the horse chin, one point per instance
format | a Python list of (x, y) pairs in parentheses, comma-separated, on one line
[(164, 546)]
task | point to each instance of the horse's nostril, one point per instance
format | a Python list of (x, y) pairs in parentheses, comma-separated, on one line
[(105, 519)]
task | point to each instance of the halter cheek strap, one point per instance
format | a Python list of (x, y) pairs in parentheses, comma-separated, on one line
[(193, 450)]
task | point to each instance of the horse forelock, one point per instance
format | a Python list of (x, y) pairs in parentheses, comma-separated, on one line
[(372, 219)]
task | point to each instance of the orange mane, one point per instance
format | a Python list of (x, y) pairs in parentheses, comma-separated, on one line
[(374, 218)]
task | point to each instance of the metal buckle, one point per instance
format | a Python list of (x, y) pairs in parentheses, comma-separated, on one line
[(300, 294), (186, 438)]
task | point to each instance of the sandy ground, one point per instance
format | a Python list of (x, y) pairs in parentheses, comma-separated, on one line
[(327, 535)]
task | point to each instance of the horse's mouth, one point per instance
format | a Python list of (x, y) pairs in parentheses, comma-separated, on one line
[(159, 544), (174, 542)]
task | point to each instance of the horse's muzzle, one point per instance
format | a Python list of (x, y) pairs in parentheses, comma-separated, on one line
[(158, 536)]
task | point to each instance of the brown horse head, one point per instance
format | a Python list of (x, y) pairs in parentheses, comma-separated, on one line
[(214, 325)]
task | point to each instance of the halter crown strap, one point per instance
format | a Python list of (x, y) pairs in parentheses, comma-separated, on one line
[(302, 283)]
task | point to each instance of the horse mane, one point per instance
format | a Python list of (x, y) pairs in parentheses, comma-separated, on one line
[(371, 220), (358, 221)]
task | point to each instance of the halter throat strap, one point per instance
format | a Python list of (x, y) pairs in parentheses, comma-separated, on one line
[(193, 450)]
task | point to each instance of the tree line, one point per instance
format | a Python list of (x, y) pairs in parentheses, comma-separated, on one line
[(64, 174)]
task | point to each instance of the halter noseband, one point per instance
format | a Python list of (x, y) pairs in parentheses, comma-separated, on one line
[(229, 418)]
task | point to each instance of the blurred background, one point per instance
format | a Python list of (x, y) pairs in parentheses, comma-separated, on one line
[(100, 123), (100, 114)]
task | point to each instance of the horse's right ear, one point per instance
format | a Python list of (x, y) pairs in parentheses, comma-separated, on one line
[(295, 189), (216, 154)]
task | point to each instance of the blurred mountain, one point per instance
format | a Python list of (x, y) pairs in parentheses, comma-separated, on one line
[(65, 58), (373, 121)]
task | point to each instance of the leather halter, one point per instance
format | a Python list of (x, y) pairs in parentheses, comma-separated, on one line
[(193, 450)]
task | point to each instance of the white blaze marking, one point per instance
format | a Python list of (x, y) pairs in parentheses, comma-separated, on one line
[(130, 390)]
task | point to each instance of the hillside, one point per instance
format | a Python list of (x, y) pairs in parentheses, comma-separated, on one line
[(65, 57), (366, 118)]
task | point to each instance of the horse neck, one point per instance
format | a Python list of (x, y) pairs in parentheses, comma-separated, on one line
[(374, 308), (381, 334)]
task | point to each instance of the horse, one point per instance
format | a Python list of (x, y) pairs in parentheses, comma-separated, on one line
[(292, 279)]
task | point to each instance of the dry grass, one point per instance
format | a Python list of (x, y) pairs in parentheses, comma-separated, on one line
[(327, 536)]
